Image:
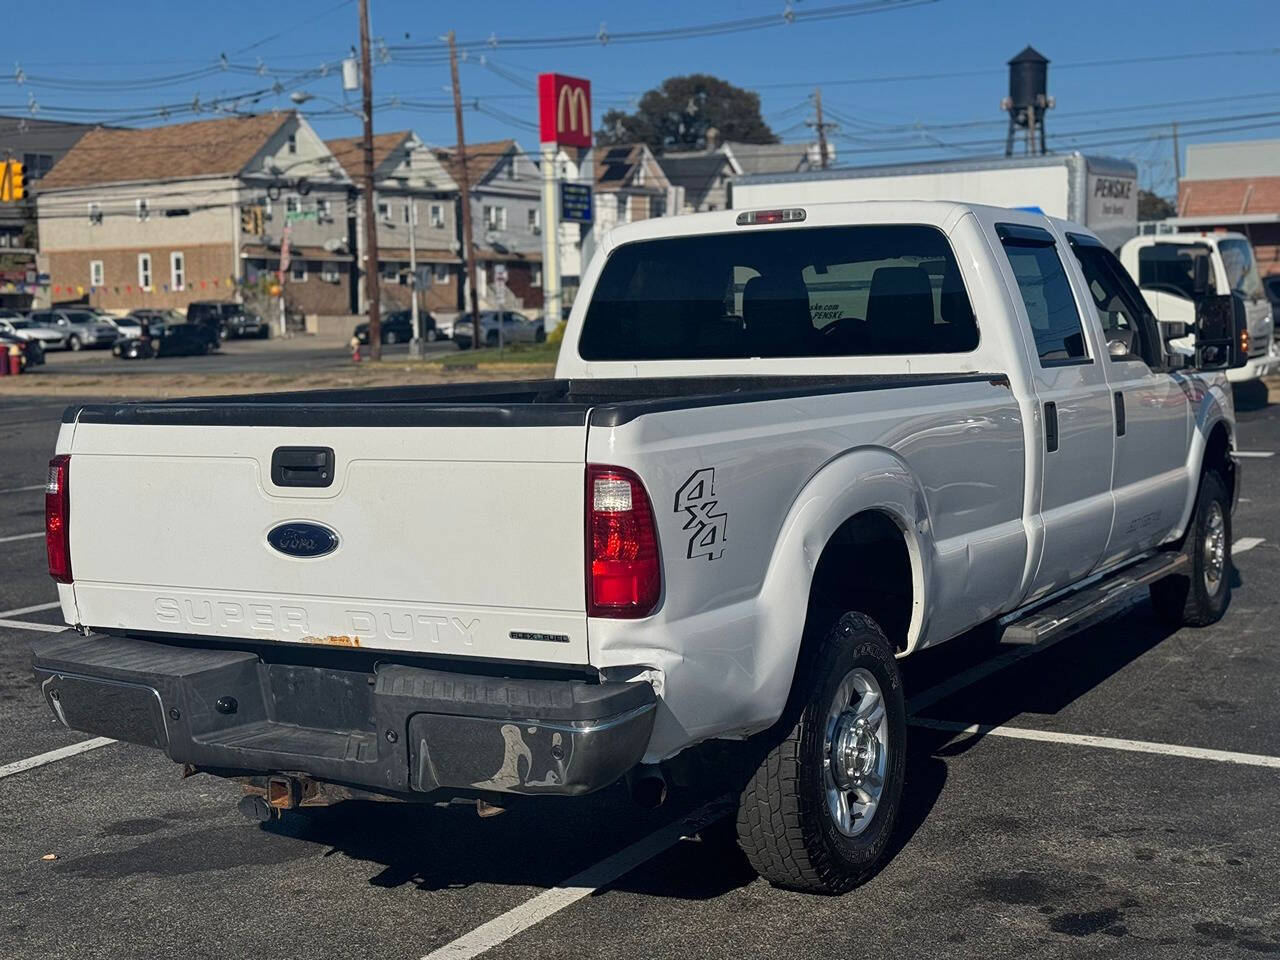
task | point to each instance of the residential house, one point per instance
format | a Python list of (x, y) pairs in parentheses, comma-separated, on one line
[(506, 217), (1234, 186), (706, 176), (37, 145), (413, 192), (164, 216)]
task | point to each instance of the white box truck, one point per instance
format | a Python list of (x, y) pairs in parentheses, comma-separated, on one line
[(1100, 193)]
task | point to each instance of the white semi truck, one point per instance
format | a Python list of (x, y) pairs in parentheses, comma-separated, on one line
[(1100, 193)]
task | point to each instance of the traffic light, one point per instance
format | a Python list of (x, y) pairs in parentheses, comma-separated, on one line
[(12, 183)]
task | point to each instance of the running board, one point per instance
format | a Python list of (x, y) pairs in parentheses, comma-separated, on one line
[(1091, 604)]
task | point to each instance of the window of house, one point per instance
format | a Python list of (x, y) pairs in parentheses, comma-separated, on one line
[(144, 208), (97, 276), (329, 273), (298, 271), (177, 270), (888, 290), (292, 205), (408, 212), (95, 214), (324, 208), (440, 273), (657, 206), (495, 218), (535, 278), (266, 208), (1046, 294), (144, 271), (384, 210), (510, 168), (291, 145), (535, 220), (437, 216)]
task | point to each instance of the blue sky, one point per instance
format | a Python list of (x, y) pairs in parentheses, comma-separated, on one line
[(921, 81)]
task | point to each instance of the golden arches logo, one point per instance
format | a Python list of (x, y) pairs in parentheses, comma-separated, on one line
[(573, 100)]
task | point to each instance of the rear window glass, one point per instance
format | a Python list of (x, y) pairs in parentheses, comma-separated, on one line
[(816, 291)]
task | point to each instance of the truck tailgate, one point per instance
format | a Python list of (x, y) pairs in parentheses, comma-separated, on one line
[(451, 540)]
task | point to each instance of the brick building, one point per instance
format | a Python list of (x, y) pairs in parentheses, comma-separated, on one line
[(1235, 186), (164, 216)]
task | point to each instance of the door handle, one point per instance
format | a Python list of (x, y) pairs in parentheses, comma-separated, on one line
[(1120, 424), (302, 466), (1050, 426)]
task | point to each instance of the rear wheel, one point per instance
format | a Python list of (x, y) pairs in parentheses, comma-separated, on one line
[(1200, 597), (818, 811)]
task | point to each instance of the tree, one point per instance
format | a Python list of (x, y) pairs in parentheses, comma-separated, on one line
[(1152, 206), (677, 115)]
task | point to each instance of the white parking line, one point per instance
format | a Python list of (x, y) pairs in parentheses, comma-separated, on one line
[(53, 756), (37, 608), (34, 486), (22, 536), (1254, 454), (518, 919), (1105, 743), (29, 625), (1245, 544)]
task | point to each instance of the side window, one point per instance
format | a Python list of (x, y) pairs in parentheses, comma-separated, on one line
[(1046, 294), (1126, 326)]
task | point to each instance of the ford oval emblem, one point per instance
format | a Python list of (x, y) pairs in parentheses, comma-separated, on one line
[(301, 539)]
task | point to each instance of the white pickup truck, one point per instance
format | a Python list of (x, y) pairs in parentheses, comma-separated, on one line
[(783, 450)]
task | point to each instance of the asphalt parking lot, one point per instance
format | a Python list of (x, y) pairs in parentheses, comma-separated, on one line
[(1115, 794)]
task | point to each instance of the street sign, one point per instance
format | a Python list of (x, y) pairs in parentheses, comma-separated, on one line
[(575, 203), (564, 110), (296, 215)]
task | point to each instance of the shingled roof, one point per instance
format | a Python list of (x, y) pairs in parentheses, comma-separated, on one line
[(204, 148), (481, 158), (350, 151)]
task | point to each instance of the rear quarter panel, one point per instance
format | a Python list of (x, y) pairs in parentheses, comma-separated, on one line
[(775, 479)]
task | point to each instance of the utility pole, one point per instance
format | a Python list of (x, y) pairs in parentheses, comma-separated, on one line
[(415, 346), (821, 127), (464, 187), (371, 273), (1177, 157)]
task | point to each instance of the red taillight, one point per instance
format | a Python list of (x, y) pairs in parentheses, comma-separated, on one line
[(57, 518), (625, 579)]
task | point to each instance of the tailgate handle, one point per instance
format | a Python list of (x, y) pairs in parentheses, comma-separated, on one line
[(302, 466)]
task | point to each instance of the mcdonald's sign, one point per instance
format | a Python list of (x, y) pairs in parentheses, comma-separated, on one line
[(564, 108)]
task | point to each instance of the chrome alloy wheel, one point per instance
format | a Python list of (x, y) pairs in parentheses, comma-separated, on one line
[(855, 751), (1215, 549)]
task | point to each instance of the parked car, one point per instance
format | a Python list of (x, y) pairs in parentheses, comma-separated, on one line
[(178, 340), (51, 338), (516, 328), (130, 326), (81, 327), (31, 351), (776, 459), (157, 320), (397, 327), (229, 319)]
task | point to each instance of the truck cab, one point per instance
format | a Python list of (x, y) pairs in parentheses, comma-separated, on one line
[(1177, 271)]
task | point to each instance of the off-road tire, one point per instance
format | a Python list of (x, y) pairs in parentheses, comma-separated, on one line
[(783, 823), (1185, 599)]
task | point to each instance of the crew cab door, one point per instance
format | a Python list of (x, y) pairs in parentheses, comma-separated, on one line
[(1075, 411), (1152, 413)]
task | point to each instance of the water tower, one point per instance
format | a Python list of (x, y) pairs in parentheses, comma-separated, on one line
[(1028, 98)]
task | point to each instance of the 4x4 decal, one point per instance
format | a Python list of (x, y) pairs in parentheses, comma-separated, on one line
[(697, 498)]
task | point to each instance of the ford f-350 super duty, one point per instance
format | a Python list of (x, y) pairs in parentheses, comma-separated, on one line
[(783, 450)]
